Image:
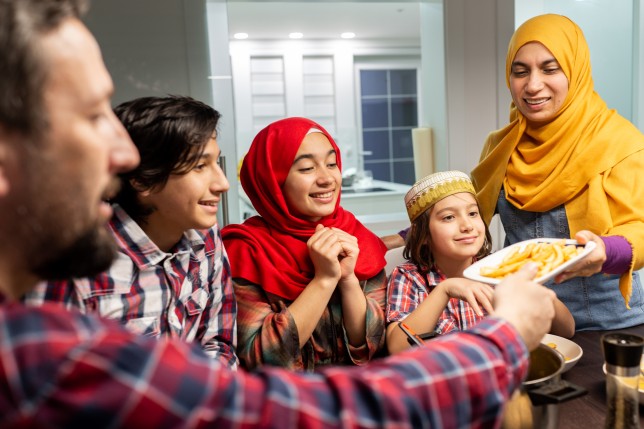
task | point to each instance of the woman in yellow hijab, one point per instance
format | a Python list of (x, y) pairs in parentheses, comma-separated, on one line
[(568, 166)]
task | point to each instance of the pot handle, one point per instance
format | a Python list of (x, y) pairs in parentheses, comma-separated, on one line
[(555, 393)]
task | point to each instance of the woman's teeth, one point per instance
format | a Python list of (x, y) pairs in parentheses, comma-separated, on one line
[(537, 101), (324, 195)]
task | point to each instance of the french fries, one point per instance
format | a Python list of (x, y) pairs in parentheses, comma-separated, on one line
[(554, 346), (547, 255)]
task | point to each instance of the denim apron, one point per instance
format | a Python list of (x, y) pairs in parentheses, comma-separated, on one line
[(595, 302)]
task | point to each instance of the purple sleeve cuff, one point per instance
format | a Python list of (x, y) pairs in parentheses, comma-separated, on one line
[(619, 255), (403, 233)]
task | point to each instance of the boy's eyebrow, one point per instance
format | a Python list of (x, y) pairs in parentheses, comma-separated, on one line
[(204, 155), (310, 156)]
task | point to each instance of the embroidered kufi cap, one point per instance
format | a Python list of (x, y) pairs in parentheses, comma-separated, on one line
[(430, 189)]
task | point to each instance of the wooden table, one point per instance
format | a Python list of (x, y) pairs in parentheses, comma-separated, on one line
[(589, 411)]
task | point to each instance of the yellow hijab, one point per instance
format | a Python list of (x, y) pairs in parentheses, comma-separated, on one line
[(542, 167)]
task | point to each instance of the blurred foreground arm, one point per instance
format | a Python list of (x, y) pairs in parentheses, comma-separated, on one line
[(94, 371)]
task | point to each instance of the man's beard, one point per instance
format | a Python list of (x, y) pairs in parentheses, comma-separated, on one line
[(91, 254)]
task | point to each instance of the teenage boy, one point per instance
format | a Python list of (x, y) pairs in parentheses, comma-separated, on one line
[(171, 277)]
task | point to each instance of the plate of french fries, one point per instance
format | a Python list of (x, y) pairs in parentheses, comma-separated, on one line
[(552, 255)]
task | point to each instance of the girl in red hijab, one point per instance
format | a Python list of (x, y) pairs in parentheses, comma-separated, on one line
[(309, 277)]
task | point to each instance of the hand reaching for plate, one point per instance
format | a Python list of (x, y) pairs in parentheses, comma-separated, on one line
[(526, 305)]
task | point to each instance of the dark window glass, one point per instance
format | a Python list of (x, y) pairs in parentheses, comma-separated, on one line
[(379, 169), (402, 144), (373, 82), (376, 142), (375, 113), (404, 172), (389, 102), (403, 82), (404, 112)]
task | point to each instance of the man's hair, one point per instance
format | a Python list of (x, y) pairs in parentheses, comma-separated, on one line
[(171, 134), (419, 239), (23, 71)]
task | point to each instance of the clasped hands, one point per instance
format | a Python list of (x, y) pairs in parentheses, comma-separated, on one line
[(334, 254)]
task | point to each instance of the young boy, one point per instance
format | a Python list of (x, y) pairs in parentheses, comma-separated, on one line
[(171, 277)]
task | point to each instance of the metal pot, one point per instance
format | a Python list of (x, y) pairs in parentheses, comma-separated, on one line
[(536, 404)]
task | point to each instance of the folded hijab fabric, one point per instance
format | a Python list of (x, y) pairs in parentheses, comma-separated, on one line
[(570, 160), (270, 249)]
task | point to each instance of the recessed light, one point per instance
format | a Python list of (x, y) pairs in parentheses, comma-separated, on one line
[(295, 35), (348, 35), (240, 36)]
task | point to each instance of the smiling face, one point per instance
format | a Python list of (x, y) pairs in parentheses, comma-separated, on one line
[(537, 83), (187, 201), (314, 181), (457, 230), (60, 181)]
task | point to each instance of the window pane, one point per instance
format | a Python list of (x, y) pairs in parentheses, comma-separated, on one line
[(380, 170), (402, 144), (376, 142), (403, 82), (404, 172), (374, 113), (404, 112), (389, 104), (373, 82)]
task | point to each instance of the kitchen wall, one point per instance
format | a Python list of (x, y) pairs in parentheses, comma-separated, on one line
[(164, 46), (161, 47), (153, 46)]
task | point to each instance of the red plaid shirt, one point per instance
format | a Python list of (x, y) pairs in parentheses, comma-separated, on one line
[(60, 368), (408, 288)]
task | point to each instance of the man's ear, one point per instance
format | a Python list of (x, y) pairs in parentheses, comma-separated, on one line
[(4, 180), (5, 147)]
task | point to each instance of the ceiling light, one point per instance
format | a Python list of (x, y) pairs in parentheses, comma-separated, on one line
[(295, 35), (240, 36), (348, 35)]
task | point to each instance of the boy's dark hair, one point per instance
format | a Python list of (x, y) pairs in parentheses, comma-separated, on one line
[(418, 241), (171, 134)]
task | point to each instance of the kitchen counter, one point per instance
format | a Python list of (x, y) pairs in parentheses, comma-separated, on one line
[(378, 197), (379, 206)]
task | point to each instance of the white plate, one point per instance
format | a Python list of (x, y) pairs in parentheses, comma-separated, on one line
[(640, 391), (569, 349), (472, 272)]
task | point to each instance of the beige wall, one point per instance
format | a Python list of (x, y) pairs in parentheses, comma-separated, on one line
[(464, 75)]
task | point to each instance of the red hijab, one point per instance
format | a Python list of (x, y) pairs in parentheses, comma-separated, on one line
[(270, 249)]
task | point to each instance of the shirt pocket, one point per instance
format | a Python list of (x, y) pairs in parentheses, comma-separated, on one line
[(148, 326), (110, 300)]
